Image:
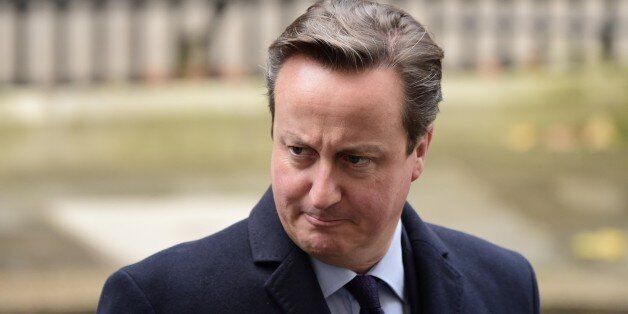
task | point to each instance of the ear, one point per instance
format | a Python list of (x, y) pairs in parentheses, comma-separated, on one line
[(420, 152)]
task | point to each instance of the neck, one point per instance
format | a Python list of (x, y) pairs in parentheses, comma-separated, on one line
[(361, 270), (359, 262)]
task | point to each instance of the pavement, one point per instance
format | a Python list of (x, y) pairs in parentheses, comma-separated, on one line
[(90, 237)]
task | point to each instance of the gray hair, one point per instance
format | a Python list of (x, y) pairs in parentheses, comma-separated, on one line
[(355, 35)]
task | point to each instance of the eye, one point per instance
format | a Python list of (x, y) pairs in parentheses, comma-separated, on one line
[(357, 160), (300, 151), (295, 150)]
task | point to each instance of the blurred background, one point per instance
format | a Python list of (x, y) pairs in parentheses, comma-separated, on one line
[(127, 126)]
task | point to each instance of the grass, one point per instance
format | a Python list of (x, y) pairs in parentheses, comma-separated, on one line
[(522, 134), (576, 130)]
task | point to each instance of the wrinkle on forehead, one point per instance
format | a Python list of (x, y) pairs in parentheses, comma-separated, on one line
[(328, 108), (350, 128), (377, 87), (334, 141)]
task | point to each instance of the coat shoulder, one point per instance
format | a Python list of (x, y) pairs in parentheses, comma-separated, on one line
[(491, 270), (473, 249), (225, 247), (207, 275)]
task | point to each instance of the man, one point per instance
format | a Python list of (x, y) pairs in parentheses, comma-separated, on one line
[(354, 88)]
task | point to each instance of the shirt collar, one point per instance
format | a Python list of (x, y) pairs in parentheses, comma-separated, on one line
[(389, 269)]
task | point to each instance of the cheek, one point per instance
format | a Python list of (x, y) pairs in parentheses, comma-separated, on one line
[(370, 202), (288, 184), (380, 201)]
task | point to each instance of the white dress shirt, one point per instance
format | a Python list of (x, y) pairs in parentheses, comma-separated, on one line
[(391, 284)]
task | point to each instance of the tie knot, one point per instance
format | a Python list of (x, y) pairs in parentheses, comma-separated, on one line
[(364, 290)]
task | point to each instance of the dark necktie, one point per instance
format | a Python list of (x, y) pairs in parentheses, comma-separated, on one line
[(364, 290)]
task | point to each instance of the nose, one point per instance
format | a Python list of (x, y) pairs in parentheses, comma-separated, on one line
[(325, 191)]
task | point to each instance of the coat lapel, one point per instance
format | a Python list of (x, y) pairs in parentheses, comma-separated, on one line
[(439, 284), (410, 274), (293, 284)]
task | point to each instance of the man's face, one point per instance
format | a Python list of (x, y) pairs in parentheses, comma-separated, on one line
[(340, 170)]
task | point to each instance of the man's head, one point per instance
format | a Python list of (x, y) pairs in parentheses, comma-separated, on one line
[(354, 35), (354, 87)]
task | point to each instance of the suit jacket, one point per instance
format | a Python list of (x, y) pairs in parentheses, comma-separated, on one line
[(254, 267)]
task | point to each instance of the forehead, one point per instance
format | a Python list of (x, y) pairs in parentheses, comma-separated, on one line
[(369, 100)]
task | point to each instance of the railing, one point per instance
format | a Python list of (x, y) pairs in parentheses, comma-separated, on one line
[(81, 41)]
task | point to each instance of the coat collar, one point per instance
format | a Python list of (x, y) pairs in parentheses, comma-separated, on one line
[(293, 284), (269, 242), (439, 284)]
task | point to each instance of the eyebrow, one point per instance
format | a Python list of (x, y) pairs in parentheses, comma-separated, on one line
[(363, 148), (360, 148), (294, 137)]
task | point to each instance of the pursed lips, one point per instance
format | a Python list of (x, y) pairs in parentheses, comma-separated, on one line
[(323, 221)]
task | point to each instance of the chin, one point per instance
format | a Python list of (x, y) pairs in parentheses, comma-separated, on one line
[(321, 246)]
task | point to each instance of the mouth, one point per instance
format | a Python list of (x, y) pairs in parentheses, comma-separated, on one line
[(323, 222)]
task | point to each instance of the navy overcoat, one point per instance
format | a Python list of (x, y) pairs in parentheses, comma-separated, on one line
[(254, 267)]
